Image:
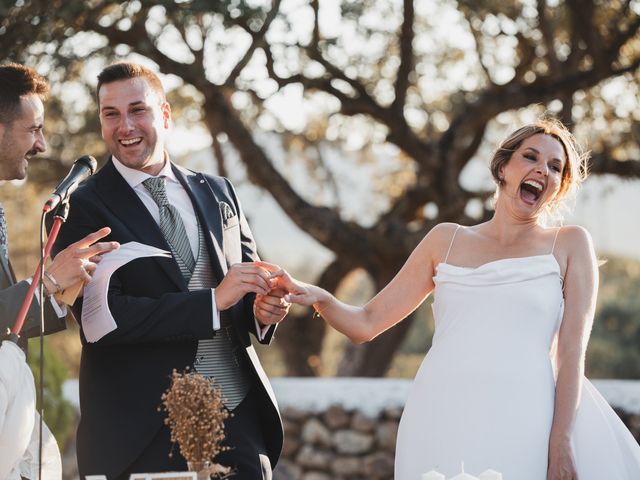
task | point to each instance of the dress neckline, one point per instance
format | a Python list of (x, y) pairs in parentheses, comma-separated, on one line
[(527, 257)]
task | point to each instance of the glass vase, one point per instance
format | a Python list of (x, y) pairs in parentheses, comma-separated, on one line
[(202, 469)]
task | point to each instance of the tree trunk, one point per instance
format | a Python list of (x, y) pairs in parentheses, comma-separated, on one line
[(300, 336), (374, 358), (300, 340)]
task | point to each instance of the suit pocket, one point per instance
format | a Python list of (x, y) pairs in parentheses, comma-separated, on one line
[(231, 242), (230, 222)]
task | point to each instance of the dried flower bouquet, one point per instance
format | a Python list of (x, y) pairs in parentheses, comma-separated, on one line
[(196, 415)]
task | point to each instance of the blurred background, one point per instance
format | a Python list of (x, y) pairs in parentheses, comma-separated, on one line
[(350, 128)]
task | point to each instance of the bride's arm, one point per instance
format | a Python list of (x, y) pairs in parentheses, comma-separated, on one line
[(580, 291), (399, 298)]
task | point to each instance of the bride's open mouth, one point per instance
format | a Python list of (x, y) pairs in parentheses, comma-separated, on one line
[(531, 191)]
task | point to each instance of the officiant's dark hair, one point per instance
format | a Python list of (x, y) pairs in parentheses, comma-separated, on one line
[(125, 71), (17, 81)]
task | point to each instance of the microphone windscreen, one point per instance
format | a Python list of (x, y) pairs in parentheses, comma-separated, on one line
[(89, 161)]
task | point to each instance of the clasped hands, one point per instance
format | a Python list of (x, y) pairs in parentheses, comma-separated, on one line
[(275, 290)]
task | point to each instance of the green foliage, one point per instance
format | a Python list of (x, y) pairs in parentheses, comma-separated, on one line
[(614, 349), (58, 412), (418, 340)]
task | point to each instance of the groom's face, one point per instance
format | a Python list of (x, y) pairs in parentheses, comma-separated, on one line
[(134, 120)]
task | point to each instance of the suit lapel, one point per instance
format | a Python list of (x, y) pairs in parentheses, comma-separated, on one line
[(207, 208), (120, 198), (7, 272)]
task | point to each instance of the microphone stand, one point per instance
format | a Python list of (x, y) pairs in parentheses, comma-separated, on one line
[(59, 218)]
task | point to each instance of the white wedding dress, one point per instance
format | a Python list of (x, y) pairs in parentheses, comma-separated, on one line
[(484, 394)]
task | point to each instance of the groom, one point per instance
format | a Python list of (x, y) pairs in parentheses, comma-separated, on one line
[(193, 310)]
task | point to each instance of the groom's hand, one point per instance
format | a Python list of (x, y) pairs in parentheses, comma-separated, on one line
[(272, 307), (242, 278)]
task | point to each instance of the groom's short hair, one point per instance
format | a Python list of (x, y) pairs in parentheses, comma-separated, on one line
[(125, 71)]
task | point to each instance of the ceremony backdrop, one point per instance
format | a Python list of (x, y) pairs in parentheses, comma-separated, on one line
[(352, 128)]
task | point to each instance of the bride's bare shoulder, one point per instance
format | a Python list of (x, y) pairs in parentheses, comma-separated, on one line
[(438, 239), (574, 240), (573, 247), (443, 231)]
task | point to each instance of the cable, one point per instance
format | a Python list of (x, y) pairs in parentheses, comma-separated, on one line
[(41, 362)]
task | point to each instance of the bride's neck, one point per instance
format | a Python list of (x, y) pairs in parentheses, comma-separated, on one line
[(507, 229)]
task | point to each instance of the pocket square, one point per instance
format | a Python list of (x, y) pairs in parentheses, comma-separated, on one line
[(226, 211)]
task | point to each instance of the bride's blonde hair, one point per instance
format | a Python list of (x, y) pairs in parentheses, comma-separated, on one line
[(575, 169)]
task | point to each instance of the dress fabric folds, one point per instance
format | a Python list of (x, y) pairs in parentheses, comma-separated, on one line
[(484, 394)]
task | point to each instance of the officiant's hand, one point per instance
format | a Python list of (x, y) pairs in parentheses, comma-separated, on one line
[(77, 262)]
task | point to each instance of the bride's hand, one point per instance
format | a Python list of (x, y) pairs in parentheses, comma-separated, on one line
[(561, 464), (299, 292)]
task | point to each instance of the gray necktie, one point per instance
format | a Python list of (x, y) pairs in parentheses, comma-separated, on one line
[(172, 227), (4, 245)]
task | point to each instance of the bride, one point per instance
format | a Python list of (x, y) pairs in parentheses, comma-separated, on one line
[(503, 384)]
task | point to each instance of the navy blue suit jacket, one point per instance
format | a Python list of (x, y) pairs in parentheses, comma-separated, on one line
[(123, 375)]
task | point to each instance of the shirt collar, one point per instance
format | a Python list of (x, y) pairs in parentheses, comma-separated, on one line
[(135, 177)]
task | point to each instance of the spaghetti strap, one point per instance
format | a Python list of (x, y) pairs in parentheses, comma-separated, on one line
[(451, 244), (555, 238)]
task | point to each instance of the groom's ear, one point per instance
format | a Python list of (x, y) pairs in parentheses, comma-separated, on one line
[(166, 114)]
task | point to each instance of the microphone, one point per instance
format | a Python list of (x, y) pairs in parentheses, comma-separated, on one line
[(82, 168)]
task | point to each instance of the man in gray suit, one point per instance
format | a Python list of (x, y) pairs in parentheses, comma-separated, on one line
[(22, 91)]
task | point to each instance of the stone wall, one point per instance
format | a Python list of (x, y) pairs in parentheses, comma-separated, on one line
[(345, 429), (339, 428), (338, 444)]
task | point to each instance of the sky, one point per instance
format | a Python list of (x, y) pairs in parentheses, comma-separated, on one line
[(605, 206)]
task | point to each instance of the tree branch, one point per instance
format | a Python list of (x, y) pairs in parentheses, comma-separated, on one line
[(544, 24), (322, 223), (219, 155), (300, 337), (400, 133), (258, 42), (406, 59), (603, 163), (137, 37), (613, 49), (582, 14), (477, 37), (527, 53)]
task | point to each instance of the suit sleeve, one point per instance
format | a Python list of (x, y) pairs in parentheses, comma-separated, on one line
[(171, 316), (249, 254), (11, 299)]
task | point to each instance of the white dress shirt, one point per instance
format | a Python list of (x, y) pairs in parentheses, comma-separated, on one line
[(60, 310), (179, 198)]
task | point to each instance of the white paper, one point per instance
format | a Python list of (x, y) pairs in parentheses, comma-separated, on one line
[(96, 317)]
